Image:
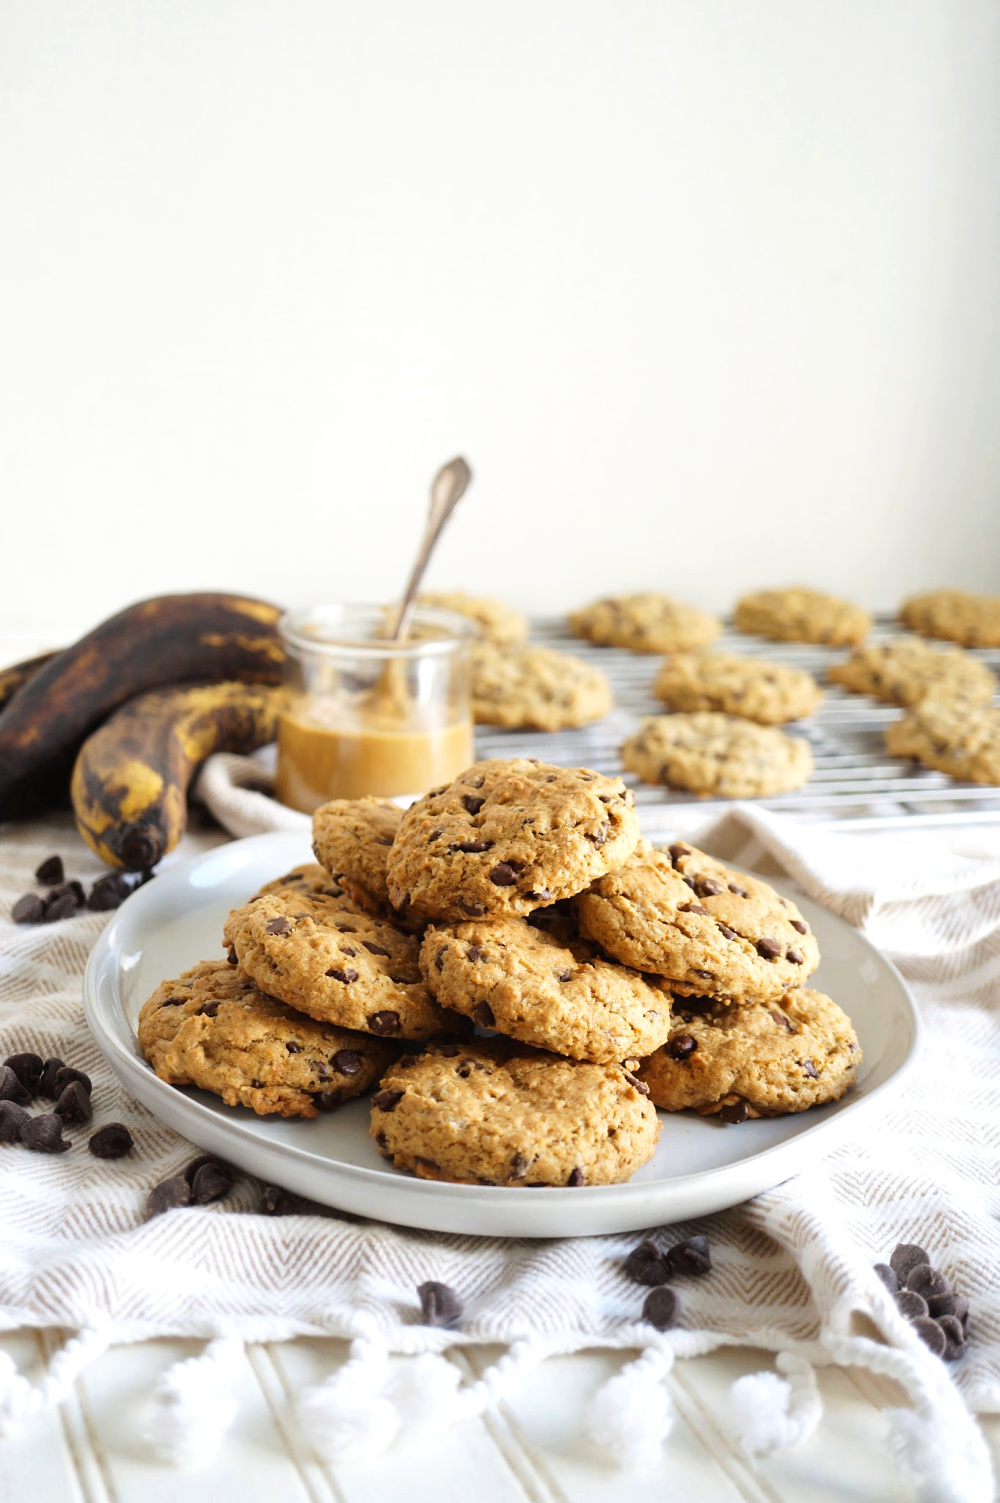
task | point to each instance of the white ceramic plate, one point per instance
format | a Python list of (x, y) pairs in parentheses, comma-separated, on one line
[(700, 1165)]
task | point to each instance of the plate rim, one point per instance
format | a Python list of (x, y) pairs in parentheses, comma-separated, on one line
[(135, 1068)]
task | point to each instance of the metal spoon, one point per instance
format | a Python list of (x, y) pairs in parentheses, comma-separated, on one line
[(447, 489)]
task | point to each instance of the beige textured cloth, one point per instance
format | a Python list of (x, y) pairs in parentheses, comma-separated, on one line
[(793, 1269)]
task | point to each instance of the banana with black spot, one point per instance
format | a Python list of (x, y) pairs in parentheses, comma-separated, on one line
[(130, 783)]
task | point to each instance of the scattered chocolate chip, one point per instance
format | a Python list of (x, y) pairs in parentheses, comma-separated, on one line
[(11, 1088), (472, 802), (600, 835), (912, 1305), (278, 926), (577, 1177), (292, 1047), (676, 851), (682, 1047), (705, 975), (347, 1061), (207, 1010), (475, 954), (519, 1167), (708, 887), (168, 1196), (692, 1256), (799, 925), (375, 949), (384, 1023), (734, 1112), (726, 932), (795, 956), (65, 1074), (62, 907), (43, 1134), (636, 1083), (47, 1081), (387, 1101), (12, 1119), (926, 1280), (661, 1308), (113, 1141), (27, 1067), (474, 910), (482, 1014), (345, 975), (211, 1182), (50, 873), (73, 1104), (540, 895), (503, 875), (439, 1304), (740, 892), (906, 1255), (448, 1051), (954, 1334), (473, 847), (809, 1069), (231, 957), (768, 949), (645, 1264), (949, 1304), (28, 910), (691, 908), (326, 1101), (564, 976), (274, 1201), (888, 1277), (345, 929), (931, 1334), (109, 892)]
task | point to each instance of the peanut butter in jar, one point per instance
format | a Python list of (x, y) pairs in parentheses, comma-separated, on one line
[(369, 716)]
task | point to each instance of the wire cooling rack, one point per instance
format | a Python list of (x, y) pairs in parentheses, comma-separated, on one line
[(855, 781)]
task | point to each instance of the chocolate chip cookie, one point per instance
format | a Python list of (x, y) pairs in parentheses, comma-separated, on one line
[(509, 836), (528, 984), (763, 1059), (680, 914), (351, 839), (308, 878), (907, 670), (212, 1028), (325, 957), (494, 621), (956, 615), (497, 1113), (645, 623), (535, 688), (801, 615), (959, 739), (722, 755), (766, 692)]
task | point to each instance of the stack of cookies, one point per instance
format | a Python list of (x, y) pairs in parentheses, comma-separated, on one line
[(521, 977)]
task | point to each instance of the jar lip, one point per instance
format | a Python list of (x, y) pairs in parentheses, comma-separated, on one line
[(328, 623)]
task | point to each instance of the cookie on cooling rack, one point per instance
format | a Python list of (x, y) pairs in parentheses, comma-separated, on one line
[(535, 688), (494, 621), (798, 614), (491, 1112), (645, 623), (959, 739), (763, 1059), (956, 615), (753, 688), (907, 670), (721, 755)]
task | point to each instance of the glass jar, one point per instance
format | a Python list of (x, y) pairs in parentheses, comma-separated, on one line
[(370, 716)]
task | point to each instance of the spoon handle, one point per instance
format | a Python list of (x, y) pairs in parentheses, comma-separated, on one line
[(449, 486)]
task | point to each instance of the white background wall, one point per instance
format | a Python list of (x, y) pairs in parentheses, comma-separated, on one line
[(708, 291)]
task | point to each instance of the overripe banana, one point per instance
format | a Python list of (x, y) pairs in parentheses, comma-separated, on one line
[(156, 642), (130, 782)]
